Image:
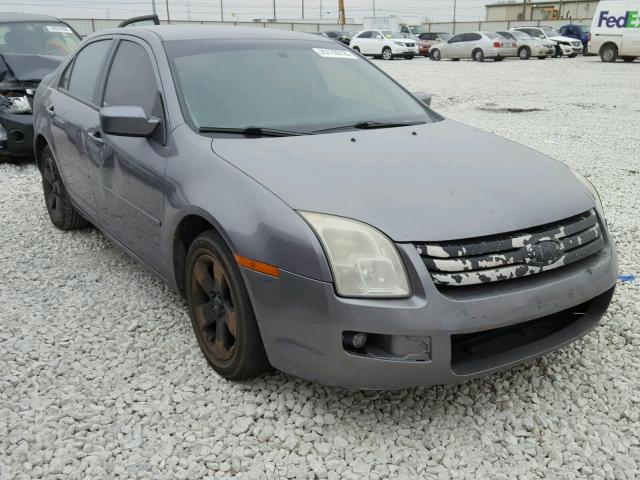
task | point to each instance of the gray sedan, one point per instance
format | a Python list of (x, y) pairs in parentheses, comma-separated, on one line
[(316, 216), (528, 46), (475, 45)]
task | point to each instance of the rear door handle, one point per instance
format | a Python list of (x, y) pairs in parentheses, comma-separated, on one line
[(95, 137), (51, 111)]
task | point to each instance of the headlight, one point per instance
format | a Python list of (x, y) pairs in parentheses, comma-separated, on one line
[(364, 262), (592, 190), (400, 44), (16, 104)]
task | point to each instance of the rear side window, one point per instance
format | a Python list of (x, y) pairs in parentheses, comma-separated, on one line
[(131, 81), (86, 69), (457, 38), (365, 35), (472, 37)]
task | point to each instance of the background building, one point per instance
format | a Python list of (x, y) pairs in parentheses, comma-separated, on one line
[(540, 10)]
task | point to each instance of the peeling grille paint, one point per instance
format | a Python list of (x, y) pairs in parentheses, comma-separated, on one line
[(509, 256)]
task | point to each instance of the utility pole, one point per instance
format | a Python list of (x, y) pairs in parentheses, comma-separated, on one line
[(303, 9), (153, 6), (524, 9), (374, 8), (454, 14), (221, 12), (274, 11), (342, 18), (168, 17), (320, 9)]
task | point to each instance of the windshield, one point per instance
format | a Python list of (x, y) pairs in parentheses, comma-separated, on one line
[(392, 34), (585, 28), (550, 32), (289, 85), (521, 35), (37, 38)]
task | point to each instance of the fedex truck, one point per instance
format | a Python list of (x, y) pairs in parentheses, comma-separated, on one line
[(615, 30)]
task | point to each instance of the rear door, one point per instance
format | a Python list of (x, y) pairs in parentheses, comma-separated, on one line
[(470, 41), (73, 110), (451, 49), (128, 172)]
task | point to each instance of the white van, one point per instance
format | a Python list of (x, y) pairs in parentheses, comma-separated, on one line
[(615, 31)]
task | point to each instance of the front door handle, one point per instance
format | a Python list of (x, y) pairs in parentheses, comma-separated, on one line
[(95, 137), (51, 111)]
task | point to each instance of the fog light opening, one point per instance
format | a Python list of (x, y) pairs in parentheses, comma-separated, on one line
[(16, 136)]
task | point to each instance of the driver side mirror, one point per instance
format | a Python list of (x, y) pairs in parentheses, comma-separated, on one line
[(127, 121), (423, 97)]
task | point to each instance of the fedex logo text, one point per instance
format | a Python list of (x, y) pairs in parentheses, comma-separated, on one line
[(630, 19)]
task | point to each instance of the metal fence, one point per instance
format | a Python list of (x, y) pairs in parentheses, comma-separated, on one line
[(85, 26)]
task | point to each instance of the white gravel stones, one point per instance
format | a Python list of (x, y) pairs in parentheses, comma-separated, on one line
[(101, 376)]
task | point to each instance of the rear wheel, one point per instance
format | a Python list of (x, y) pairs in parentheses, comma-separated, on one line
[(524, 53), (221, 313), (387, 54), (628, 59), (609, 53), (478, 55), (61, 211), (435, 55)]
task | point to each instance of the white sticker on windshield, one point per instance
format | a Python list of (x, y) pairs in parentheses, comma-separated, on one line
[(333, 53), (58, 29)]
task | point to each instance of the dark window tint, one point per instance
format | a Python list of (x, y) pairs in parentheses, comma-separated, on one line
[(332, 34), (427, 36), (86, 69), (64, 78), (457, 38), (131, 80), (365, 35), (471, 37), (506, 35)]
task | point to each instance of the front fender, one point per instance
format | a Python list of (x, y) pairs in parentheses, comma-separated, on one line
[(253, 221)]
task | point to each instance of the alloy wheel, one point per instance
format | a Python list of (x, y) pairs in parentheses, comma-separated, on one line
[(216, 318), (52, 186)]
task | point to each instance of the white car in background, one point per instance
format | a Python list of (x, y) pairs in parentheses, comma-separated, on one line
[(385, 44), (564, 45), (477, 46)]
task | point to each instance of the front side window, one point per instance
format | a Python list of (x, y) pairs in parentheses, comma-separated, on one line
[(457, 38), (302, 86), (365, 34), (37, 38), (127, 86), (86, 69)]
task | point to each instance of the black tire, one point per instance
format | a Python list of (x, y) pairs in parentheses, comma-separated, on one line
[(524, 53), (541, 58), (609, 53), (409, 57), (498, 59), (220, 309), (628, 59), (61, 211), (356, 49), (585, 50), (478, 55), (455, 59), (574, 55), (435, 55), (387, 54), (558, 53)]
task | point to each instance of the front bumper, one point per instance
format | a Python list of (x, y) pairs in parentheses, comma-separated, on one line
[(399, 51), (302, 322), (16, 134), (567, 49)]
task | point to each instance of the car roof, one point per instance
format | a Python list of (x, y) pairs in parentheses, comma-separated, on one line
[(6, 17), (170, 33)]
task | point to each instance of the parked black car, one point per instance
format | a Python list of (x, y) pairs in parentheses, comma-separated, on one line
[(31, 46)]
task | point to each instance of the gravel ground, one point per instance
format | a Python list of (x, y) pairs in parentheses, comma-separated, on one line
[(101, 376)]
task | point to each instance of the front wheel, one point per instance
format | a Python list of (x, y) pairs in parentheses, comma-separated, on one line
[(387, 54), (435, 55), (558, 53), (356, 49), (524, 53), (61, 211), (221, 313), (478, 55)]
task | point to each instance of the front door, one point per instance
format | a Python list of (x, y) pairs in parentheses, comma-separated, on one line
[(72, 109), (128, 172)]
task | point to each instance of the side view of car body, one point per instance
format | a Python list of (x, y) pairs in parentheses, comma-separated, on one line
[(528, 46), (564, 45), (615, 31), (474, 45), (267, 187), (384, 44), (579, 32), (31, 46)]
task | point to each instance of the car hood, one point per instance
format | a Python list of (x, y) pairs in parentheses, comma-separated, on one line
[(447, 181), (24, 68), (560, 38)]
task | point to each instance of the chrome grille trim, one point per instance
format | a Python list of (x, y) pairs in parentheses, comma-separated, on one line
[(509, 256)]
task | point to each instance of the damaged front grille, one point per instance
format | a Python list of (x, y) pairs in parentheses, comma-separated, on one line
[(508, 256)]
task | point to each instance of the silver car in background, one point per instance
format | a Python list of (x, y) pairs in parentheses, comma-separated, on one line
[(528, 46), (475, 45)]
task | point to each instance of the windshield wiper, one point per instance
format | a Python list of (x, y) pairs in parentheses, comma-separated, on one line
[(368, 125), (258, 131)]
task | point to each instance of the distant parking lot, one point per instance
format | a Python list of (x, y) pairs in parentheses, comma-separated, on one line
[(102, 378)]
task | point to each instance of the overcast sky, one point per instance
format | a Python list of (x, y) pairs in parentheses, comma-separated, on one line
[(246, 10)]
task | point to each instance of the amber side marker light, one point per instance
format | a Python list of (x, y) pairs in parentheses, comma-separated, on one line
[(257, 266)]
